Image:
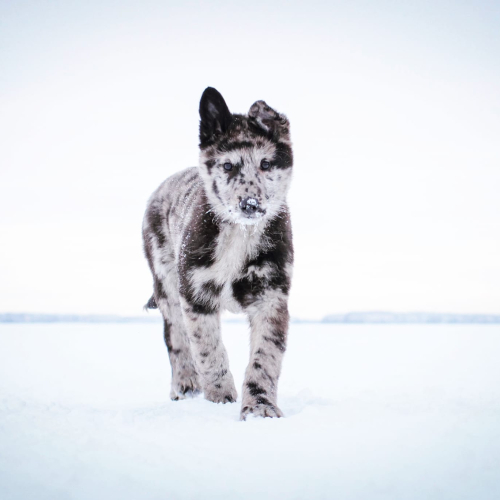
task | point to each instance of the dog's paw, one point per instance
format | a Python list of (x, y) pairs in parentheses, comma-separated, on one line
[(188, 388), (221, 393), (260, 410)]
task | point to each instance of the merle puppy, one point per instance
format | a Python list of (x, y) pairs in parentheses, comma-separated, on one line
[(218, 236)]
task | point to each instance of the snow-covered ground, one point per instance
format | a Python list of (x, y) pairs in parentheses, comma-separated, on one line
[(372, 412)]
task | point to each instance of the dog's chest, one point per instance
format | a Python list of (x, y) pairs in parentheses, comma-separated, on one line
[(234, 247)]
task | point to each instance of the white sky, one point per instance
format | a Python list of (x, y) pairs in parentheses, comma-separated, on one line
[(395, 114)]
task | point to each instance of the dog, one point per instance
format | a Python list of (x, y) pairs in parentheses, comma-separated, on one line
[(218, 236)]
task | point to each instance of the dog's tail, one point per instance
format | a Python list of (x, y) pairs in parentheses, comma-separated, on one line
[(151, 304)]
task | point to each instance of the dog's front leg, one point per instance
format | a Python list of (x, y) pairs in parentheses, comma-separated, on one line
[(209, 355), (269, 328)]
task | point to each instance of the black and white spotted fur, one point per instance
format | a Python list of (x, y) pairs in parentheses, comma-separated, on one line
[(218, 236)]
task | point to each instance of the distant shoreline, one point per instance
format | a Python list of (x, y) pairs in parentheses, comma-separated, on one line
[(412, 318), (349, 318)]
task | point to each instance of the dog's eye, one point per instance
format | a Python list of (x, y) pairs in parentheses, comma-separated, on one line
[(228, 166), (264, 164)]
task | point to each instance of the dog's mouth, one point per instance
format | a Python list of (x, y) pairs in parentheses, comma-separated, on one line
[(249, 219)]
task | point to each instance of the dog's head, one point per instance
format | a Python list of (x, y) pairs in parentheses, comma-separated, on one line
[(245, 160)]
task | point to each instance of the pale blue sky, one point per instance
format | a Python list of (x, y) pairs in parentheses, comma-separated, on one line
[(395, 113)]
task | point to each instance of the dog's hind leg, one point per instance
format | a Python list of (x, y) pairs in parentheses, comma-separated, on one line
[(185, 380)]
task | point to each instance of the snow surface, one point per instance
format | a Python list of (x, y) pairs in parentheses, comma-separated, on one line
[(372, 412)]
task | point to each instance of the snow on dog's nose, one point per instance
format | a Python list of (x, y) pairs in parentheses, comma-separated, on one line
[(249, 205)]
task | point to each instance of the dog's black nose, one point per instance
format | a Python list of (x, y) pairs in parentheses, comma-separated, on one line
[(249, 205)]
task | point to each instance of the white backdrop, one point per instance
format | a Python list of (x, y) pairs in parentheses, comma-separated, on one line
[(395, 114)]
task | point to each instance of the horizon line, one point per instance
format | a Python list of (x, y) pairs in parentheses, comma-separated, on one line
[(373, 317)]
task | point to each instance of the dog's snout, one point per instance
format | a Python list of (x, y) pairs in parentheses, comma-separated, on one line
[(249, 205)]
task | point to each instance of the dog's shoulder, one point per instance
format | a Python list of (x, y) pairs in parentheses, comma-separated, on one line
[(172, 203)]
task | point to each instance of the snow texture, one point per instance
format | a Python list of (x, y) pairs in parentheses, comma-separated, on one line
[(372, 412)]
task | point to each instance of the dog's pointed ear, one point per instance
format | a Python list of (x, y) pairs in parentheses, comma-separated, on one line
[(215, 116), (272, 122)]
